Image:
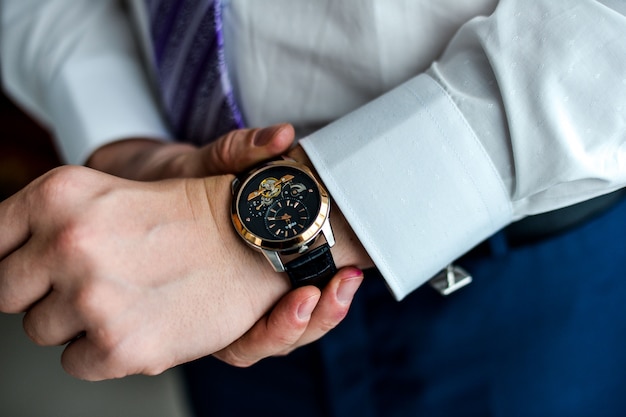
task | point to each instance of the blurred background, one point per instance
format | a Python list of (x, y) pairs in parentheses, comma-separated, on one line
[(32, 382), (25, 149)]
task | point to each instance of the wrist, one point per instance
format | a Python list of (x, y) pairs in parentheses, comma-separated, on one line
[(141, 159), (259, 284)]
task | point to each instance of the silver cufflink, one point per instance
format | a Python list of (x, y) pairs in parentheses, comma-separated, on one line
[(449, 280)]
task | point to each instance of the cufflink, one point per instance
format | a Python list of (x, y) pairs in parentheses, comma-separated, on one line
[(451, 279)]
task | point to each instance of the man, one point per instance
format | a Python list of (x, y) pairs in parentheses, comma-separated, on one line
[(499, 127)]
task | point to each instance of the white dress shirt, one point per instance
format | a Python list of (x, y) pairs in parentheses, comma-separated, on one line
[(523, 113)]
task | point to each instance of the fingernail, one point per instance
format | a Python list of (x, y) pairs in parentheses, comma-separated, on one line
[(306, 308), (349, 285), (265, 135)]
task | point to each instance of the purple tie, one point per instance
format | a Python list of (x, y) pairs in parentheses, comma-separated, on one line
[(189, 56)]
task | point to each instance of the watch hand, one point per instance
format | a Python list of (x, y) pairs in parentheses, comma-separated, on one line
[(283, 217)]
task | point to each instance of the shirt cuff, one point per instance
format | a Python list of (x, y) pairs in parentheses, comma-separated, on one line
[(413, 181), (87, 114)]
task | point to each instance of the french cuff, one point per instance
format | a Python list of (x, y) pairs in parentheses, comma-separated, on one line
[(413, 181), (101, 100)]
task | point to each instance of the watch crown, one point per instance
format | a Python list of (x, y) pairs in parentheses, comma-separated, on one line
[(234, 185)]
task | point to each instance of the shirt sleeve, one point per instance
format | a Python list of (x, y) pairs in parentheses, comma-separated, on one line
[(524, 113), (75, 67)]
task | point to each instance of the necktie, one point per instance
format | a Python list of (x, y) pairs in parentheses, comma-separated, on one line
[(188, 49)]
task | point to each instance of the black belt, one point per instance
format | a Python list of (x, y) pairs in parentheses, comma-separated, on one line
[(535, 228), (529, 230)]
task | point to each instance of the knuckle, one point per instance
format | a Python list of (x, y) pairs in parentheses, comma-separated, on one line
[(156, 363), (121, 353), (69, 237), (75, 241), (52, 188), (116, 360), (88, 302), (284, 333), (152, 361), (230, 153), (327, 324), (108, 356), (32, 330), (107, 341), (221, 152), (236, 358), (286, 340), (285, 352)]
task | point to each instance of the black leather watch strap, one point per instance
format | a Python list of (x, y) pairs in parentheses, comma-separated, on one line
[(313, 268)]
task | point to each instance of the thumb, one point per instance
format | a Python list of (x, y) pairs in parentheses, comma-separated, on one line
[(244, 148)]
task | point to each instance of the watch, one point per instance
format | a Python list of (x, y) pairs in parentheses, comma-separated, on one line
[(281, 209)]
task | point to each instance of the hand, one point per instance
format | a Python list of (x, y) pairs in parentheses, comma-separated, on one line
[(301, 317), (139, 276), (287, 326), (148, 275), (148, 160)]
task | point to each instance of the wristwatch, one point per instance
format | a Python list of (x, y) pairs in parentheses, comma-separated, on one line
[(281, 209)]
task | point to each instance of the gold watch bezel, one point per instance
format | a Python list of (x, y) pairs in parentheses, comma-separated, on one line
[(291, 245)]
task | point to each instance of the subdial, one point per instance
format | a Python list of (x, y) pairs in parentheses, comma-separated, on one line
[(256, 209), (287, 218)]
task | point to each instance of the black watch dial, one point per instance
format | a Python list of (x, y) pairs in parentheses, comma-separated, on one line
[(279, 203)]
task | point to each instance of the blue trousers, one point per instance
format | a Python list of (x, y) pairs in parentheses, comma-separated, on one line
[(540, 332)]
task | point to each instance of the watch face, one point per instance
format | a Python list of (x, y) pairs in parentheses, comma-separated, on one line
[(278, 203)]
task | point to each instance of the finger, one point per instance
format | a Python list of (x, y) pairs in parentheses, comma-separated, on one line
[(52, 321), (244, 148), (333, 306), (275, 332), (83, 359), (23, 278), (102, 353)]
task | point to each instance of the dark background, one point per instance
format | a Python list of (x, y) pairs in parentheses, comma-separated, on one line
[(26, 150)]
